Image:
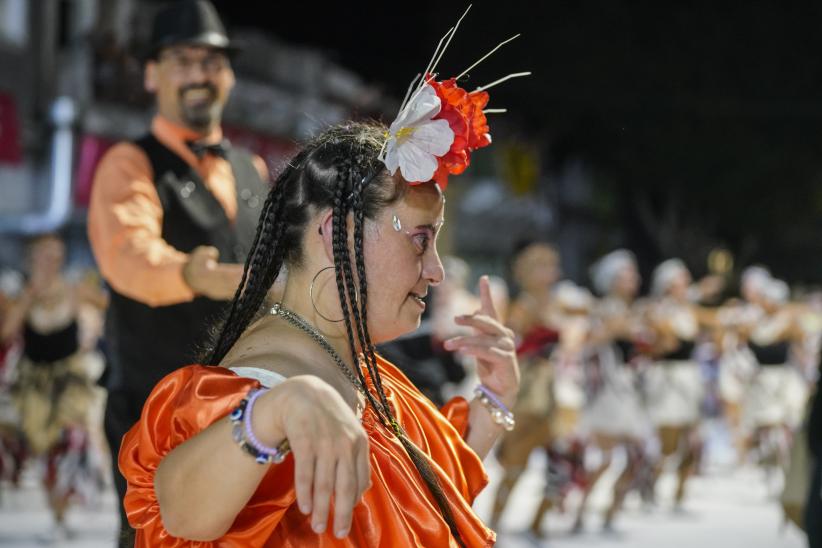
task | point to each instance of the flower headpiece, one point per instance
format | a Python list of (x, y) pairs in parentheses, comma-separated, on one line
[(440, 124)]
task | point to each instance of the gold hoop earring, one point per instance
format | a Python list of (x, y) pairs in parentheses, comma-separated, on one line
[(311, 296)]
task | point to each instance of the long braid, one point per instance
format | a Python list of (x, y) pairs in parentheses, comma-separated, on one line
[(348, 294), (340, 246), (233, 325), (356, 305), (267, 265), (361, 318), (260, 270), (262, 229), (414, 453), (230, 331)]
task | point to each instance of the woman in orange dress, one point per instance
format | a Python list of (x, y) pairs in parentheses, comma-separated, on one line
[(303, 436)]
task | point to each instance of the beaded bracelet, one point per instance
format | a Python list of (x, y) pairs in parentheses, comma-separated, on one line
[(499, 412), (244, 435)]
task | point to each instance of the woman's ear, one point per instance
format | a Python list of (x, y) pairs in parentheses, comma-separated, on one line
[(326, 233)]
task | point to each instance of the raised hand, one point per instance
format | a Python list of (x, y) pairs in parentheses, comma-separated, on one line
[(492, 344)]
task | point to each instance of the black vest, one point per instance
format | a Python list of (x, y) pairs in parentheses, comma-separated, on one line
[(145, 343)]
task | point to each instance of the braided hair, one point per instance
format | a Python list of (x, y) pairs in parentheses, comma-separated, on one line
[(339, 170)]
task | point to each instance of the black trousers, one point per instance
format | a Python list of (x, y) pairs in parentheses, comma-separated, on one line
[(122, 411), (813, 509)]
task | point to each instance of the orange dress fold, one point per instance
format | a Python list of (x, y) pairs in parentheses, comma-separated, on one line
[(396, 511)]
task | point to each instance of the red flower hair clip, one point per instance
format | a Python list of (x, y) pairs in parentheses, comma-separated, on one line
[(464, 113), (440, 124)]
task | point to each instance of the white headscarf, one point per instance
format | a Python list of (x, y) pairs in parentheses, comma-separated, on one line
[(776, 292), (756, 277), (605, 271), (571, 296), (665, 274)]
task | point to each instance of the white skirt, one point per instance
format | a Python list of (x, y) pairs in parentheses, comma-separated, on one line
[(569, 391), (674, 391), (777, 396), (617, 409), (736, 369)]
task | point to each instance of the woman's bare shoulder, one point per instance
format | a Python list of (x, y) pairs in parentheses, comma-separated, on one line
[(268, 349), (288, 353)]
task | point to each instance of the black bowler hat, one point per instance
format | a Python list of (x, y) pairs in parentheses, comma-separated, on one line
[(188, 22)]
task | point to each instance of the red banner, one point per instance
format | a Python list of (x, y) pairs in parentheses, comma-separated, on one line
[(10, 150)]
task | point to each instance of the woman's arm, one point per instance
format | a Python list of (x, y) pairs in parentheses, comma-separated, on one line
[(15, 315), (483, 432), (708, 318), (90, 293), (198, 499), (202, 484)]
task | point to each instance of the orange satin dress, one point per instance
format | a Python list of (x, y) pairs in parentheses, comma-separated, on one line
[(397, 511)]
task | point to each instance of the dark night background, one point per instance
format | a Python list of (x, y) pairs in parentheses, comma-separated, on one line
[(701, 121)]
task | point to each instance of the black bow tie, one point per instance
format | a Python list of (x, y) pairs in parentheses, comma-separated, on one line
[(217, 149)]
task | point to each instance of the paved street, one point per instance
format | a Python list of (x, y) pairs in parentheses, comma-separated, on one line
[(727, 508)]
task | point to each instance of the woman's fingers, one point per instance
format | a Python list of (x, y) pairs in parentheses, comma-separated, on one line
[(324, 478), (331, 457), (353, 478), (486, 301), (484, 323), (363, 463), (490, 354), (303, 473), (346, 494), (456, 343)]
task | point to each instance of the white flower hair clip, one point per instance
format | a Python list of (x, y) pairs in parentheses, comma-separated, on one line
[(439, 123)]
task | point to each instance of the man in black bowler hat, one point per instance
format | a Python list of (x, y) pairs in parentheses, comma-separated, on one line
[(172, 216)]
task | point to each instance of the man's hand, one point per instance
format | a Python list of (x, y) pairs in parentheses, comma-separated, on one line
[(206, 277)]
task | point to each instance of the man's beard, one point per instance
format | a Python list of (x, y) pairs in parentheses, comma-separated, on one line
[(202, 116)]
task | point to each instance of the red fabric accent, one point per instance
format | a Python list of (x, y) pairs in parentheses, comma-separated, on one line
[(463, 112), (91, 150), (456, 410), (10, 149), (536, 339)]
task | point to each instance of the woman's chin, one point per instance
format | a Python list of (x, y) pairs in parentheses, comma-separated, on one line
[(387, 334)]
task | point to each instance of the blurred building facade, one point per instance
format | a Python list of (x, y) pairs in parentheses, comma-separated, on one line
[(72, 85)]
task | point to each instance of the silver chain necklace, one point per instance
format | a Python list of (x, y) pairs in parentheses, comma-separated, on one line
[(297, 321)]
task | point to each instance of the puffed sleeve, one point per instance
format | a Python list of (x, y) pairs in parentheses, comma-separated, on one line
[(456, 411), (181, 405)]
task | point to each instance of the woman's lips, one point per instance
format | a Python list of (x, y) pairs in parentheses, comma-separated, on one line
[(418, 299)]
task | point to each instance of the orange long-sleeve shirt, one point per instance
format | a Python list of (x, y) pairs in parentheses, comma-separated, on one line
[(125, 216)]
